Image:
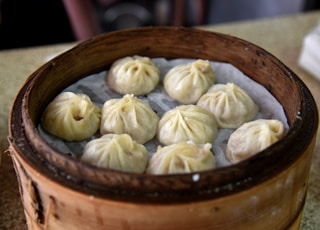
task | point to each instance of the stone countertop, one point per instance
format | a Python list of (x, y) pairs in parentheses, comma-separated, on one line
[(281, 36)]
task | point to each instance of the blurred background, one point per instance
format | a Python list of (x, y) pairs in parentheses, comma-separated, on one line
[(43, 22)]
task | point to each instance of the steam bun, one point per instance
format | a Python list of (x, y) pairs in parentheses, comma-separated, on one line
[(116, 151), (183, 157), (186, 83), (130, 115), (187, 123), (252, 137), (230, 104), (133, 75), (72, 117)]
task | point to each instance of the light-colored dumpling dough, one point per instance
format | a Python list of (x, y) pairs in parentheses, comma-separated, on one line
[(130, 115), (116, 151), (187, 123), (72, 117), (133, 75), (186, 83), (183, 157), (252, 137), (230, 104)]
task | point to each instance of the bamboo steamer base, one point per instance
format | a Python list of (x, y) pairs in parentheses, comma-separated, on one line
[(267, 191), (59, 207)]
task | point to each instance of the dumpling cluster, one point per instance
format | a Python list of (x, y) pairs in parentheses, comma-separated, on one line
[(133, 75), (182, 157), (130, 115), (187, 123), (72, 117), (188, 82), (116, 151), (186, 132), (252, 137), (230, 104)]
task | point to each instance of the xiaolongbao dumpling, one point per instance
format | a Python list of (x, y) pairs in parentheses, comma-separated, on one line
[(230, 104), (130, 115), (187, 123), (72, 117), (133, 75), (183, 157), (188, 82), (116, 151), (252, 137)]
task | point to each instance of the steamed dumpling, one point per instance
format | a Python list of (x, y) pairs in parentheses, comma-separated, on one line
[(252, 137), (186, 83), (72, 117), (116, 151), (230, 104), (187, 123), (183, 157), (133, 75), (130, 115)]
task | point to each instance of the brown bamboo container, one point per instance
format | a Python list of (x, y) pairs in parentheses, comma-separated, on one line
[(266, 191)]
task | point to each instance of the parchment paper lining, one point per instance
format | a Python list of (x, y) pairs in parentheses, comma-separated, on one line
[(99, 92)]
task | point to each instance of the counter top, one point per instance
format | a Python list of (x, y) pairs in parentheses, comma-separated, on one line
[(282, 37)]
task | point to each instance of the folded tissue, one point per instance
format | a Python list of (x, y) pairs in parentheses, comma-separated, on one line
[(309, 58)]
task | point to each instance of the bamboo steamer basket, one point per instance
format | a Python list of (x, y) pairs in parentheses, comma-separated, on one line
[(267, 191)]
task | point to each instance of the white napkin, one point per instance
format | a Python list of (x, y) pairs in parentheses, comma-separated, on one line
[(309, 58)]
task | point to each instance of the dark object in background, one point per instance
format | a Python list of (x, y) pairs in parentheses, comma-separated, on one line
[(126, 15), (32, 23), (43, 22), (109, 15), (311, 5), (92, 17)]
